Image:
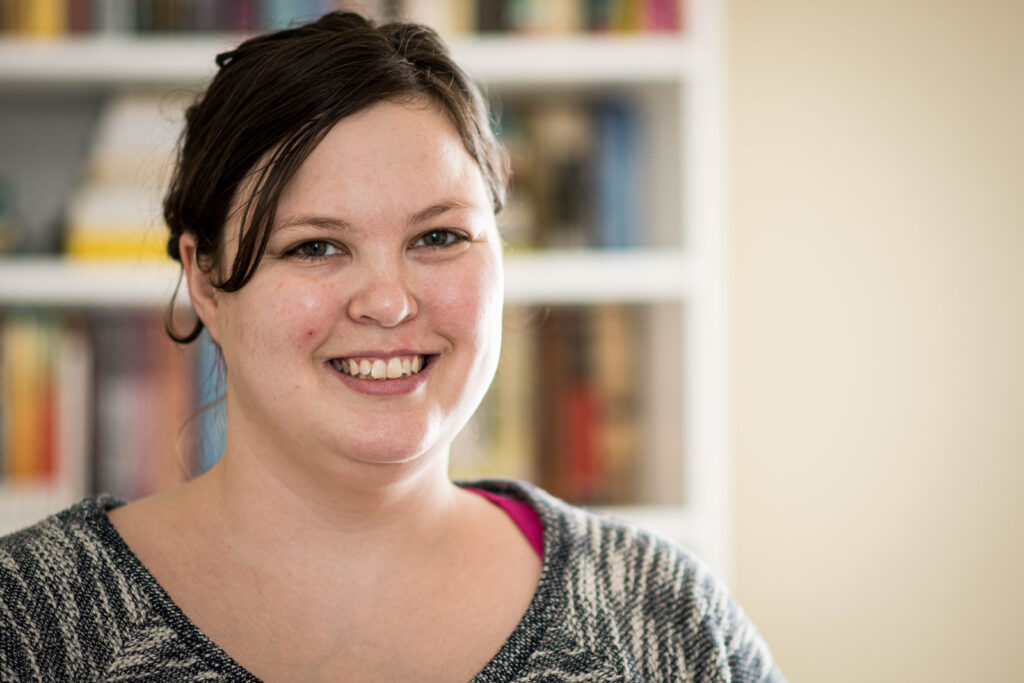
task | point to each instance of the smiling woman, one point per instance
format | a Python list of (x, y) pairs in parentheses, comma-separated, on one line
[(333, 210)]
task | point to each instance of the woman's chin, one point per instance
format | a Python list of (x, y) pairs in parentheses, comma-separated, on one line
[(385, 451)]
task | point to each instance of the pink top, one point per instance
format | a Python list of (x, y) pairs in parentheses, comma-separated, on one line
[(523, 514)]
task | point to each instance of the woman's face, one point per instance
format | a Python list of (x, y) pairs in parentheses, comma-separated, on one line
[(371, 329)]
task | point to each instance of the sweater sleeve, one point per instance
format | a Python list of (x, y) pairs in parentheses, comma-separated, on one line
[(740, 655)]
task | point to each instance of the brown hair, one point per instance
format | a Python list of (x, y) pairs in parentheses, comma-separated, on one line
[(273, 100)]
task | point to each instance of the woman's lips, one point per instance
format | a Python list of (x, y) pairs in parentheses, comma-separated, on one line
[(406, 381), (393, 367)]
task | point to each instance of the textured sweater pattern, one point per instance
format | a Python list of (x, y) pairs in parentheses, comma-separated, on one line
[(612, 604)]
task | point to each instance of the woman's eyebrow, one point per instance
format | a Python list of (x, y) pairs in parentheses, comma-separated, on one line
[(326, 222), (436, 210)]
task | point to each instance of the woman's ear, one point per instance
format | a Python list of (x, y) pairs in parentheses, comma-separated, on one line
[(201, 291)]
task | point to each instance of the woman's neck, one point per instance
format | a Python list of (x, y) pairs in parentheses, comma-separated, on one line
[(367, 511)]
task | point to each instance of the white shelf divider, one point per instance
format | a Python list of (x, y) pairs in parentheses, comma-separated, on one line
[(189, 60), (599, 276), (543, 277)]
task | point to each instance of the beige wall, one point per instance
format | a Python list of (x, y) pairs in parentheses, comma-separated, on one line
[(877, 311)]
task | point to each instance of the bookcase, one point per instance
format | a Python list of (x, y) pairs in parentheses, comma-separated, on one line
[(611, 389)]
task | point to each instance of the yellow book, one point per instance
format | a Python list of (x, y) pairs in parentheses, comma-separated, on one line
[(111, 222), (44, 18), (462, 16), (114, 243), (23, 373)]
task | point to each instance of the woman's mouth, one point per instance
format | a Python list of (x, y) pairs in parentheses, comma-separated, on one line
[(381, 368)]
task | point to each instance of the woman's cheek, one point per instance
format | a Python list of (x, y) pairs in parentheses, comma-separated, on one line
[(475, 289), (298, 312)]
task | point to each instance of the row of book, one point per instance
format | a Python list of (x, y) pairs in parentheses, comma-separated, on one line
[(70, 17), (577, 173), (578, 177), (115, 211), (108, 403), (566, 409), (109, 384), (548, 16)]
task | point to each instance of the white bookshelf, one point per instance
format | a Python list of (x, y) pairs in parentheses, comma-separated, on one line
[(677, 83)]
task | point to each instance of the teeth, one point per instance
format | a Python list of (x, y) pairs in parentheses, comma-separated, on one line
[(379, 368)]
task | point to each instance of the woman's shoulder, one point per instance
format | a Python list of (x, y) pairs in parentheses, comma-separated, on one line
[(60, 578), (49, 566), (587, 531), (637, 587), (626, 556), (54, 543)]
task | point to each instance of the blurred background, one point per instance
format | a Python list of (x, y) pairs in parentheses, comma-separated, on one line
[(807, 366), (876, 271)]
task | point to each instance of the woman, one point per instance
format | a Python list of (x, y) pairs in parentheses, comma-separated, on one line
[(333, 209)]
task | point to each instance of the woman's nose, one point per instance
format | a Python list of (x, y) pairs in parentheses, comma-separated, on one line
[(383, 297)]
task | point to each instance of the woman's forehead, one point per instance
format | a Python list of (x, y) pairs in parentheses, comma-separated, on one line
[(394, 153)]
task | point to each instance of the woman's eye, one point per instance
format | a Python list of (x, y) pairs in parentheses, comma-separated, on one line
[(315, 249), (438, 238)]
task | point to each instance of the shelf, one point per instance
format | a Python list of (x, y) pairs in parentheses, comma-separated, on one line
[(549, 277), (66, 284), (583, 60), (188, 60), (588, 277)]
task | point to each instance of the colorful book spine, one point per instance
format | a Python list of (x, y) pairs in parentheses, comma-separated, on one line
[(577, 174), (618, 167), (209, 417), (44, 18), (564, 410), (55, 18), (144, 406), (45, 367)]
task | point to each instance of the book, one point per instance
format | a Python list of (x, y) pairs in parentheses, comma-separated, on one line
[(25, 386), (550, 145), (45, 366), (577, 173), (144, 397), (116, 211), (499, 439), (43, 18), (618, 167), (208, 423), (617, 369), (74, 410)]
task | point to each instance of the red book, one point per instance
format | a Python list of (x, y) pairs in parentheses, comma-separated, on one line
[(584, 462)]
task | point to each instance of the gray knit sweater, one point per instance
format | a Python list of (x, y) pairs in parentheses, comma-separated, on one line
[(612, 604)]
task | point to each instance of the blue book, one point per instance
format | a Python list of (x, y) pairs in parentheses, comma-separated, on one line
[(212, 425), (616, 130)]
